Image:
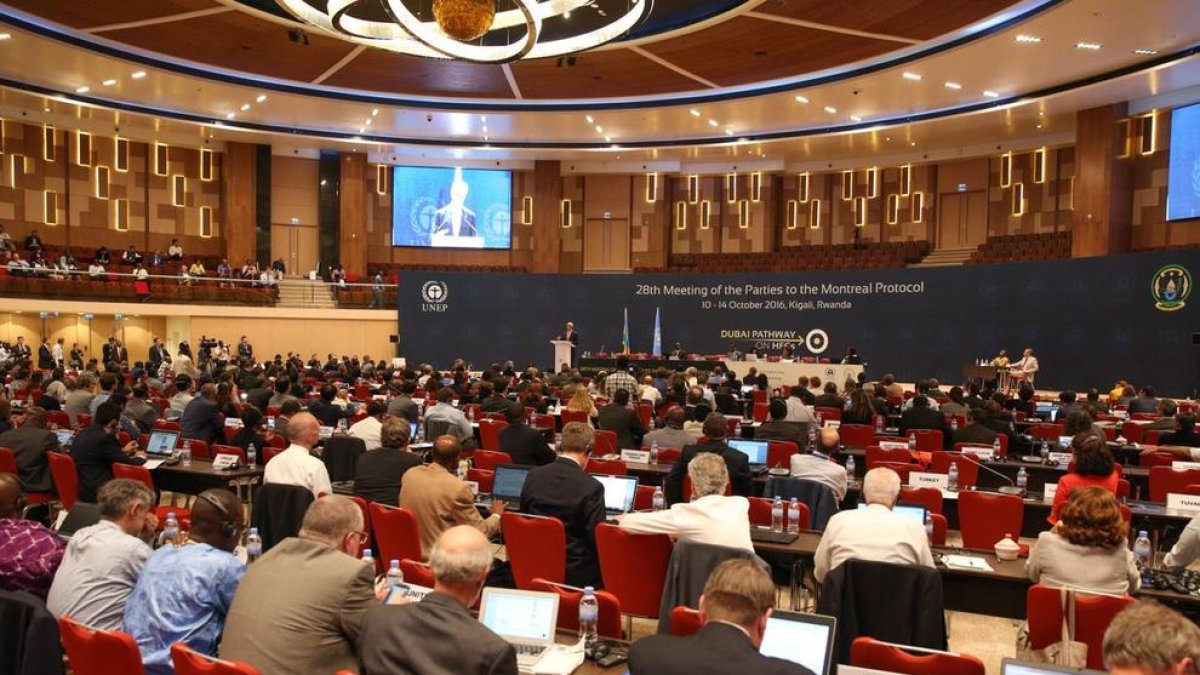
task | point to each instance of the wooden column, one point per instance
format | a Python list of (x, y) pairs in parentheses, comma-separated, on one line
[(1103, 184), (238, 193), (547, 234), (353, 213)]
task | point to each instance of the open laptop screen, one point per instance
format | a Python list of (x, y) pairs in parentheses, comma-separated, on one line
[(914, 511), (619, 492), (64, 436), (519, 616), (805, 639), (509, 480), (162, 443), (1014, 667), (755, 450)]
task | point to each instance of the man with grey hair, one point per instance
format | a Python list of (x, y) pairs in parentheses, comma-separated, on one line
[(299, 608), (1146, 638), (296, 465), (820, 466), (709, 517), (201, 419), (562, 490), (450, 639), (103, 561), (874, 533)]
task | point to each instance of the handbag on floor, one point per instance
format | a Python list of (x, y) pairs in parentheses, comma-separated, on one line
[(1067, 651)]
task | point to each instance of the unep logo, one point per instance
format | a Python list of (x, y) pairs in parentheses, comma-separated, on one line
[(434, 293), (1171, 287)]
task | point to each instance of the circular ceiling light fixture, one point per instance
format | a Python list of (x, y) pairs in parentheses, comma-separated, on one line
[(466, 30)]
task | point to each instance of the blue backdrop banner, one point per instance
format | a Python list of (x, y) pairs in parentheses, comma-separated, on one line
[(1089, 321)]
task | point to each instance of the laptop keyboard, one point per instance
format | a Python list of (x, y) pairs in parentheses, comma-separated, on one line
[(529, 650)]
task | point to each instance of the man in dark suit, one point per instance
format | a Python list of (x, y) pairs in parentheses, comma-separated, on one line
[(20, 351), (736, 604), (450, 639), (620, 418), (106, 351), (379, 472), (158, 354), (1146, 402), (45, 355), (1185, 435), (491, 396), (96, 449), (975, 432), (571, 336), (245, 350), (562, 490), (524, 444), (324, 410), (30, 442), (738, 464), (829, 399), (33, 242), (201, 418), (919, 416), (777, 430)]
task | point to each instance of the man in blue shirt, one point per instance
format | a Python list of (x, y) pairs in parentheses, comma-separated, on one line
[(185, 591)]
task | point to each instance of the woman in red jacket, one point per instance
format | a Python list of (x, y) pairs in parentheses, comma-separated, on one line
[(1094, 467)]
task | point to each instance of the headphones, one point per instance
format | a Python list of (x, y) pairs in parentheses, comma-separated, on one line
[(228, 527)]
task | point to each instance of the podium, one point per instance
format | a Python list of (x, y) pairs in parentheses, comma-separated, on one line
[(562, 353)]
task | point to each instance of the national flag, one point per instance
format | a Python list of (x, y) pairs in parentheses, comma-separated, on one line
[(625, 334), (656, 349)]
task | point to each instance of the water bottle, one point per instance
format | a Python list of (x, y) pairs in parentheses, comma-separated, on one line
[(532, 419), (793, 515), (1142, 549), (654, 452), (171, 530), (368, 558), (251, 454), (777, 515), (1022, 479), (420, 429), (820, 420), (395, 577), (912, 442), (1045, 450), (341, 425), (952, 477), (812, 438), (185, 454), (589, 616), (879, 424), (996, 447), (929, 526), (253, 546), (659, 500), (849, 472), (737, 428)]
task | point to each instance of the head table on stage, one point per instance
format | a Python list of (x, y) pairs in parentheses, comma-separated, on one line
[(779, 373)]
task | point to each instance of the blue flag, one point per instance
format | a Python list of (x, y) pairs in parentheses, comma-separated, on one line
[(625, 334), (657, 348)]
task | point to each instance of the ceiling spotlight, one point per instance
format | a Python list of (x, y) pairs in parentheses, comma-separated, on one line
[(713, 123), (361, 129), (913, 144), (138, 74), (1145, 52), (589, 119), (374, 112), (230, 116), (1028, 39), (830, 109), (245, 107), (855, 118), (729, 132), (953, 85), (991, 94), (1090, 46), (694, 113), (599, 129), (801, 99), (108, 83), (82, 90), (5, 36), (260, 98), (483, 118), (368, 123), (607, 139), (915, 77)]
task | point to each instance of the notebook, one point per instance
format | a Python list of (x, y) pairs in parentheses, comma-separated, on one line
[(755, 450), (804, 639), (524, 618), (162, 443), (619, 493)]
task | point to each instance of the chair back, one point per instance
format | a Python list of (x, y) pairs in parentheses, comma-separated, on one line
[(607, 626), (488, 459), (536, 546), (99, 652), (230, 450), (134, 472), (569, 416), (902, 470), (762, 411), (876, 455), (870, 653), (486, 479), (606, 443), (1093, 613), (779, 453), (941, 527), (685, 621), (643, 499), (416, 572), (489, 433), (1157, 459), (8, 461), (930, 498), (634, 567), (968, 469), (66, 480), (1151, 437), (610, 467), (857, 435), (985, 518), (1132, 432), (1164, 480), (278, 511), (188, 661), (397, 534), (826, 413), (1046, 430), (928, 440)]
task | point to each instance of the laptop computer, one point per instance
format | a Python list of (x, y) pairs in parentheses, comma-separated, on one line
[(507, 483), (1015, 667), (65, 436), (804, 639), (914, 511), (755, 450), (162, 443), (80, 516), (524, 618), (619, 493), (1044, 409), (1064, 443)]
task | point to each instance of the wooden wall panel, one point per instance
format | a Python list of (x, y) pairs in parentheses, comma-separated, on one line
[(353, 212), (239, 199), (1103, 189)]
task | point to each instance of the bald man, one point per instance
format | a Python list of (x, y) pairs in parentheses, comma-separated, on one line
[(452, 641), (30, 442), (185, 591), (296, 465), (820, 465), (29, 553), (439, 500)]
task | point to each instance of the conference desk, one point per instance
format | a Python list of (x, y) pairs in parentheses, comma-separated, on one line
[(779, 373), (200, 476)]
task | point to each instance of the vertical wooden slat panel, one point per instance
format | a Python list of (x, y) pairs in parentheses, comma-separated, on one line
[(239, 202), (353, 209)]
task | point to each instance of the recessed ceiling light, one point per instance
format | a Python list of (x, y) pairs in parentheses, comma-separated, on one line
[(830, 109), (1039, 126), (361, 129), (1090, 46), (915, 77), (138, 74), (991, 94), (108, 83), (855, 118), (729, 132), (694, 113), (374, 112), (607, 139), (566, 14), (245, 107), (913, 143), (589, 119), (713, 123), (599, 129), (1028, 39), (368, 123), (82, 90), (801, 99), (260, 98), (953, 85), (230, 116), (5, 36), (1145, 52)]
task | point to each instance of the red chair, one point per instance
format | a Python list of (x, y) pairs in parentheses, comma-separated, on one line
[(191, 662), (199, 449), (83, 420), (606, 443), (930, 498), (473, 411), (276, 441), (985, 518), (687, 488), (928, 440), (870, 653), (666, 455), (416, 572), (269, 453), (1151, 437), (485, 478), (99, 652), (8, 461), (643, 500), (1122, 489), (857, 435), (963, 447), (779, 453), (634, 567), (1157, 459), (968, 470), (762, 411), (609, 623), (165, 425), (66, 480), (760, 512), (1164, 479), (645, 411), (488, 459), (142, 475), (397, 535), (685, 621), (536, 546), (1132, 432), (568, 416), (941, 527), (1045, 430), (902, 470), (827, 414), (609, 467), (489, 434), (1093, 613), (877, 455), (62, 419)]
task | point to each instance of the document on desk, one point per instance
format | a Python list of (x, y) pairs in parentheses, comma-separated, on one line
[(967, 562), (152, 464)]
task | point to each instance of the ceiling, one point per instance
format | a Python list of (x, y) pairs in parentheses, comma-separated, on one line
[(842, 81)]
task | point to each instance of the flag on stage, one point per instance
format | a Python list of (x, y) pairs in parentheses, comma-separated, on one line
[(657, 348), (625, 334)]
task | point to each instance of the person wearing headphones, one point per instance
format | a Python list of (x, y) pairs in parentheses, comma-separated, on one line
[(186, 587)]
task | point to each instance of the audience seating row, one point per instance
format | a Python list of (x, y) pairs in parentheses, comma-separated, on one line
[(1019, 247), (125, 290)]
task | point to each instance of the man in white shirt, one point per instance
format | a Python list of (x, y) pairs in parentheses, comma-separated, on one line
[(103, 561), (874, 533), (820, 466), (650, 393), (370, 428), (672, 435), (710, 518), (1026, 368), (797, 410), (295, 465)]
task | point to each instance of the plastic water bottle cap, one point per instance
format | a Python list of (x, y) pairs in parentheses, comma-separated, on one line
[(588, 590), (366, 553), (395, 564), (254, 530)]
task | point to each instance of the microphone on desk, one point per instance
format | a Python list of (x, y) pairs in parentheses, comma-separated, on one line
[(1010, 489)]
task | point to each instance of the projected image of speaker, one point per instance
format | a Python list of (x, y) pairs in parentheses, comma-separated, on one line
[(1183, 177), (451, 207)]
